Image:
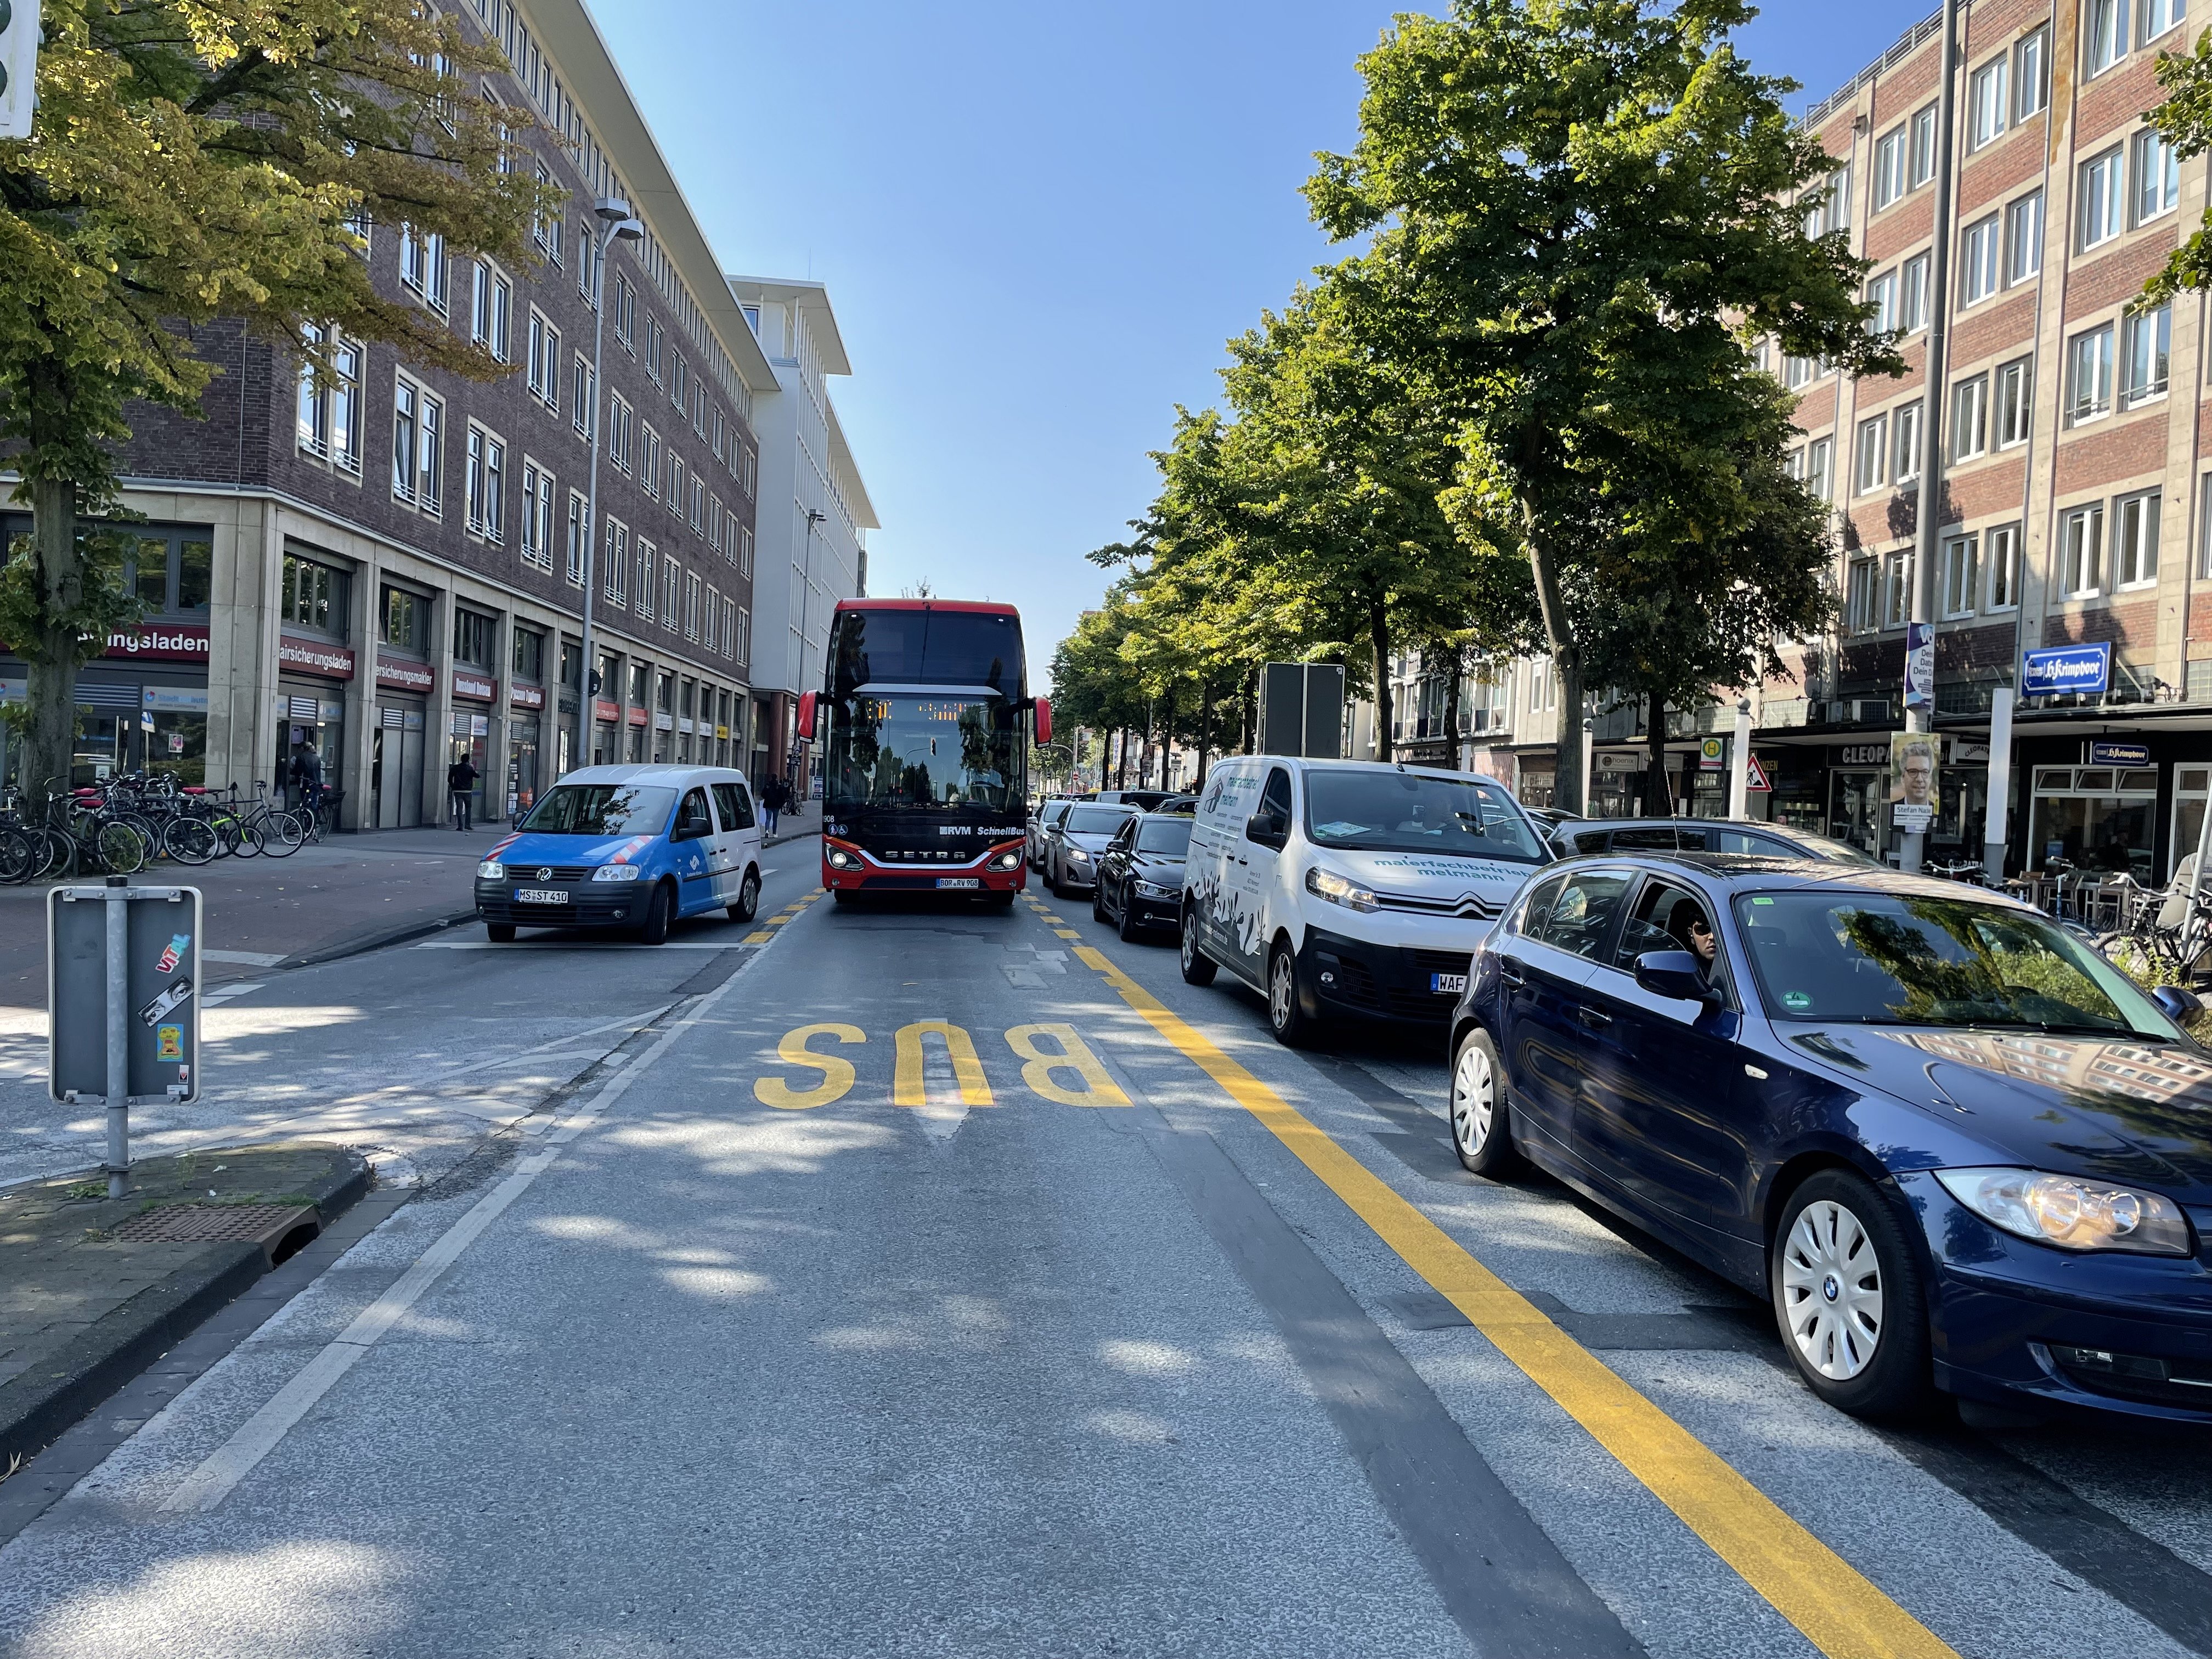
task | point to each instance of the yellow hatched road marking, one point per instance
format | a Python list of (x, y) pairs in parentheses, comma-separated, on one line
[(1840, 1612), (761, 938), (1067, 932)]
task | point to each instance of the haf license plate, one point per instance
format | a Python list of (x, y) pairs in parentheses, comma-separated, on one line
[(958, 881), (1451, 984), (540, 896)]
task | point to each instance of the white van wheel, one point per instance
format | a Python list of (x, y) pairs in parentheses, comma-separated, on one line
[(1289, 1021)]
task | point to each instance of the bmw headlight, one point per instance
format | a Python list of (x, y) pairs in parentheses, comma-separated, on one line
[(615, 872), (491, 870), (1153, 890), (1339, 890), (2075, 1215)]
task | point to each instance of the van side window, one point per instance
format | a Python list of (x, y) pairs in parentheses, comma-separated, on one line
[(694, 807), (1275, 799), (734, 804)]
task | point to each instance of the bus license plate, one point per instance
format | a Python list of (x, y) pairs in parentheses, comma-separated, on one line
[(540, 896), (1442, 984), (958, 881)]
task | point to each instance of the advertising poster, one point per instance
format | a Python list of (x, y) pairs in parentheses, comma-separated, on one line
[(1913, 780)]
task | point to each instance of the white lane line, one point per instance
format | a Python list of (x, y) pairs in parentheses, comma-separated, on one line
[(260, 1434), (576, 944), (250, 958), (224, 992)]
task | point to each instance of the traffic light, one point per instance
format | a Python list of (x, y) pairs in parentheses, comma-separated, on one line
[(19, 66)]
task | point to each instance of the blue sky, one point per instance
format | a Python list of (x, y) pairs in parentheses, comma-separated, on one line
[(1038, 225)]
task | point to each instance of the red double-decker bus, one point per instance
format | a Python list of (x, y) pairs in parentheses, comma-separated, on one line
[(924, 725)]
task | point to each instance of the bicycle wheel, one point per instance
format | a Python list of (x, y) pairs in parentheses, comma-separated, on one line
[(18, 858), (189, 840), (57, 854), (247, 840), (282, 835), (226, 834), (121, 848)]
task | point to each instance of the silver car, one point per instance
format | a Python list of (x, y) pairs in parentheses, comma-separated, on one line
[(1071, 856), (1041, 827)]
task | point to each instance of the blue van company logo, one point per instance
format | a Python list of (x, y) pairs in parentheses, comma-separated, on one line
[(2065, 669)]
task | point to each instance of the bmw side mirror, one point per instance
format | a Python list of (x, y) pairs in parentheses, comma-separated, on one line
[(2178, 1005), (1673, 974)]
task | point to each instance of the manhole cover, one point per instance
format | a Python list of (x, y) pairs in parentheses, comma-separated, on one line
[(194, 1224)]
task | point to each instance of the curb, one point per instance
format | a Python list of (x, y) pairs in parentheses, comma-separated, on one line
[(112, 1351), (361, 943)]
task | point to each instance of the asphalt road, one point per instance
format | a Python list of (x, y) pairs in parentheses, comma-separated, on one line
[(818, 1302)]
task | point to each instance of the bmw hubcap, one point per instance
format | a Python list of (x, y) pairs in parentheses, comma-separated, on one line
[(1831, 1291), (1475, 1100)]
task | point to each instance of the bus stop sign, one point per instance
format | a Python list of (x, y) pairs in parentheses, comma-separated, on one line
[(157, 937)]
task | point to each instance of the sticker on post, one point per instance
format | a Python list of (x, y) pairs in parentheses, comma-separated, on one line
[(172, 1041), (174, 954), (167, 1000)]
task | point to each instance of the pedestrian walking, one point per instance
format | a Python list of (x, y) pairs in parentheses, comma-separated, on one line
[(307, 774), (774, 794), (461, 791)]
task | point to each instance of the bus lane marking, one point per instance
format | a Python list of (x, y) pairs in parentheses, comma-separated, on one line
[(907, 1086), (1098, 1089), (1839, 1610), (837, 1073)]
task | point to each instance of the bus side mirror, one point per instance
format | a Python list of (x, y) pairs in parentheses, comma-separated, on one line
[(806, 714), (1043, 720)]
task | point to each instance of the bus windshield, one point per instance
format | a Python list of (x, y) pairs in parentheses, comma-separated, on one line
[(922, 752)]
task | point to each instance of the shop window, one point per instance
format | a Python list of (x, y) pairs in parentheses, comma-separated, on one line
[(2094, 817), (640, 678), (663, 693), (2192, 788), (314, 596)]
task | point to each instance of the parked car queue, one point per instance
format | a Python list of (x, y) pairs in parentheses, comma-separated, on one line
[(1954, 1149)]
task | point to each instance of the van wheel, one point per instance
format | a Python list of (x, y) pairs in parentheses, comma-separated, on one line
[(500, 933), (1847, 1295), (1289, 1021), (748, 904), (1197, 966), (1482, 1123), (660, 911)]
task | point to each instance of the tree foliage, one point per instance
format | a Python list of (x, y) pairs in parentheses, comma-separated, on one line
[(193, 159)]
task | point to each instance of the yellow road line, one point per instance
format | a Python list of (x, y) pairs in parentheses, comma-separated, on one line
[(761, 938), (1839, 1611), (1067, 932)]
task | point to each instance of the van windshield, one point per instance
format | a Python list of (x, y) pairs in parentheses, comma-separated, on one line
[(600, 809), (1406, 812)]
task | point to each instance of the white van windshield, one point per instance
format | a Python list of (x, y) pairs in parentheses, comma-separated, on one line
[(1406, 812)]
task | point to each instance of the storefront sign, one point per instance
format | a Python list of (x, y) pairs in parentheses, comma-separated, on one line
[(605, 710), (664, 722), (160, 642), (2063, 668), (313, 657), (637, 717), (405, 676), (2119, 754), (530, 696), (190, 698), (1863, 754), (475, 686), (1962, 752), (1912, 792), (1919, 664)]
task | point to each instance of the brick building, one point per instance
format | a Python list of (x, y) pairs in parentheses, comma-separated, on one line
[(2077, 502), (389, 564)]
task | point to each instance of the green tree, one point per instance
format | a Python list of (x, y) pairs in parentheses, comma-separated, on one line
[(201, 159), (2184, 120), (1581, 210)]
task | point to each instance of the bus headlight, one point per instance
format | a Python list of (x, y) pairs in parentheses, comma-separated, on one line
[(838, 859), (1009, 860), (615, 872), (491, 870)]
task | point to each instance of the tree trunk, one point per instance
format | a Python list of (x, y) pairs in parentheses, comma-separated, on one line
[(1658, 793), (1205, 732), (1121, 759), (51, 656), (1567, 791), (1451, 707), (1378, 640)]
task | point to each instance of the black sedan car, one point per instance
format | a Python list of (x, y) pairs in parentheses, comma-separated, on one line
[(1140, 874), (1953, 1148), (1582, 837)]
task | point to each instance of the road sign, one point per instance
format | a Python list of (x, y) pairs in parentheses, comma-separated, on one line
[(19, 66), (1757, 775), (1712, 754), (123, 1001), (2062, 668)]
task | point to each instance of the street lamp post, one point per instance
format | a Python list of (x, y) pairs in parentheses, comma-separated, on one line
[(614, 215)]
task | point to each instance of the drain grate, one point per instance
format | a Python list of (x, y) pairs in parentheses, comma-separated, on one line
[(195, 1223)]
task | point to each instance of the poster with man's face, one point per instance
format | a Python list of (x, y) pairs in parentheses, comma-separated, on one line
[(1913, 780)]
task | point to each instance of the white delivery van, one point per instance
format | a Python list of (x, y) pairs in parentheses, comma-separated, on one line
[(1340, 888)]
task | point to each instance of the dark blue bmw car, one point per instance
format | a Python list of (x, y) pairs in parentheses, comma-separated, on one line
[(1954, 1148)]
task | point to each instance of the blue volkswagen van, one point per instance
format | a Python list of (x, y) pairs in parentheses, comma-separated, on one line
[(627, 846)]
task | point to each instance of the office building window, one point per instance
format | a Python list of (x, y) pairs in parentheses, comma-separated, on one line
[(678, 482), (2001, 556), (1982, 251), (2160, 15), (582, 386), (648, 572), (486, 486), (418, 454), (2098, 197), (1970, 418), (1888, 168), (1912, 295), (1795, 371), (744, 634), (330, 401), (2134, 540), (537, 514), (1989, 103), (2023, 238), (615, 583), (543, 369), (745, 549), (2015, 392), (1923, 148), (618, 431), (2080, 550), (1819, 468), (1897, 590), (1872, 454), (648, 459), (2104, 33), (672, 589), (714, 517), (1906, 419), (699, 520), (579, 537), (1882, 294), (2089, 375), (1861, 613), (2149, 341), (691, 605), (2156, 165), (2031, 74), (422, 265), (314, 596), (491, 309), (1958, 595)]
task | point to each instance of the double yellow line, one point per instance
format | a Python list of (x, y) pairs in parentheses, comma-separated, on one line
[(1837, 1607)]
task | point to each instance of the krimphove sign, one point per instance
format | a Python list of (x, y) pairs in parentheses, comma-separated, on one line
[(2063, 669)]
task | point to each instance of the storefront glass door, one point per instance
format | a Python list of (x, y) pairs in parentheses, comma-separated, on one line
[(1855, 810)]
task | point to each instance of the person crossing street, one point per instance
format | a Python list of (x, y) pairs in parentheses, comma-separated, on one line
[(460, 790)]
